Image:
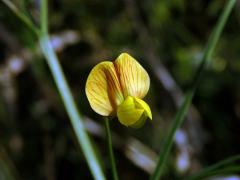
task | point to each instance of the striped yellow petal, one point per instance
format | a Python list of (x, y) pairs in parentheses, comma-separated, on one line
[(133, 112), (103, 89), (133, 77)]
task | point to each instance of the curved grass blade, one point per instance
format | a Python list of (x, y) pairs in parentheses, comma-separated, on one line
[(188, 98)]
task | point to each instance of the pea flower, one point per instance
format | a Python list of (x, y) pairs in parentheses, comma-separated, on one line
[(117, 88)]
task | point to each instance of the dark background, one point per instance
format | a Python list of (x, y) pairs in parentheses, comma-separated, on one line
[(166, 37)]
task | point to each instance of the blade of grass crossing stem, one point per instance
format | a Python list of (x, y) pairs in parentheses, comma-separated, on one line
[(110, 149), (218, 167), (67, 97), (71, 108), (62, 85), (188, 98)]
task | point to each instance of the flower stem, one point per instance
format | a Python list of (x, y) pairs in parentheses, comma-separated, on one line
[(110, 149), (207, 57)]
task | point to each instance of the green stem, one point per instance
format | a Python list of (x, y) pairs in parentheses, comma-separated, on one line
[(71, 107), (188, 98), (110, 149), (67, 97)]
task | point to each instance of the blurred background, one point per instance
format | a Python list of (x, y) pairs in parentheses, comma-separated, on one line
[(167, 37)]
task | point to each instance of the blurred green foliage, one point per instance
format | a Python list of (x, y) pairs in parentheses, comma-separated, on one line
[(35, 132)]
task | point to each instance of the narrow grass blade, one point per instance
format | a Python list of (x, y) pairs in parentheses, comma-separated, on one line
[(221, 167), (188, 98), (21, 16), (219, 172)]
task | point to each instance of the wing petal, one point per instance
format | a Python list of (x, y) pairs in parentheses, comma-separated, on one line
[(103, 89)]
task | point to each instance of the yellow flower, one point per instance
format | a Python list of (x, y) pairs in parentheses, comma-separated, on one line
[(117, 88)]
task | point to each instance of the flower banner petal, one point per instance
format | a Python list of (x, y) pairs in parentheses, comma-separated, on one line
[(133, 77)]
